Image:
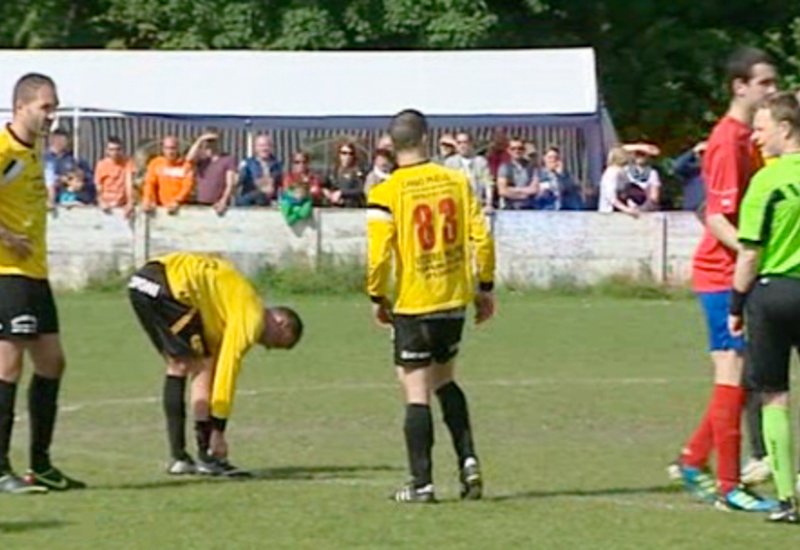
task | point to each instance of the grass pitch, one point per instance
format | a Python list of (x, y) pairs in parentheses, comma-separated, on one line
[(577, 403)]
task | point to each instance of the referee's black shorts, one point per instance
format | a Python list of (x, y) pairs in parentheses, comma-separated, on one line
[(175, 329), (420, 340), (27, 308), (772, 318)]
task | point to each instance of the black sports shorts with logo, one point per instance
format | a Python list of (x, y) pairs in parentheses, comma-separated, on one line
[(772, 316), (420, 340), (175, 329), (27, 308)]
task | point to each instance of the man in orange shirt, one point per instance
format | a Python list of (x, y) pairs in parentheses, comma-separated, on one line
[(169, 179), (114, 179)]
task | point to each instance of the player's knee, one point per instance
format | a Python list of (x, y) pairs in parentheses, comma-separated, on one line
[(10, 361), (775, 399), (10, 372), (728, 367), (52, 366), (442, 374), (177, 367)]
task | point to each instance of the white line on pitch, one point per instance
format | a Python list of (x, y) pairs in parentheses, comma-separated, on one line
[(360, 386)]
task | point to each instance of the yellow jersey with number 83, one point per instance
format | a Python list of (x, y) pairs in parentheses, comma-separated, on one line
[(427, 217)]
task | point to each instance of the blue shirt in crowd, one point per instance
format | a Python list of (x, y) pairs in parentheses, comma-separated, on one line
[(688, 169)]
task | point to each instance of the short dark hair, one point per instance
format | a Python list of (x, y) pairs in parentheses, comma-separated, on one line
[(114, 140), (28, 85), (295, 322), (553, 149), (407, 129), (385, 153), (60, 132), (741, 62), (302, 153)]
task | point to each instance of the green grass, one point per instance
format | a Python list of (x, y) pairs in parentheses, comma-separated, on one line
[(578, 404)]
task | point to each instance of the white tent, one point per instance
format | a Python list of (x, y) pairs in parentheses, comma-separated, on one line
[(328, 89)]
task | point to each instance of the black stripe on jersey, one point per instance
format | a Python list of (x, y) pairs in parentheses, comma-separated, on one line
[(379, 207), (766, 227), (9, 167)]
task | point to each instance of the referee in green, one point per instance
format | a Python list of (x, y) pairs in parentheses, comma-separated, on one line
[(766, 283)]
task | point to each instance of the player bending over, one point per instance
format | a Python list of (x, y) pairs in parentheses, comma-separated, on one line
[(202, 315)]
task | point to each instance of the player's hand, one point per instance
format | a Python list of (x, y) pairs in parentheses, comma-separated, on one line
[(20, 245), (382, 312), (484, 306), (218, 447), (736, 325)]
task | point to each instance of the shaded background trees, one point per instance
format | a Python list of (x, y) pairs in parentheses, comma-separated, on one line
[(659, 60)]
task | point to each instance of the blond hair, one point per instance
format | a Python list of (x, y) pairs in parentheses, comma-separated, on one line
[(617, 156)]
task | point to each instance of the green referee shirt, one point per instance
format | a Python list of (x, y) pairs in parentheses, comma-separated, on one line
[(769, 216)]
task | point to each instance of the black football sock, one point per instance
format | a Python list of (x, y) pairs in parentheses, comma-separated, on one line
[(175, 412), (419, 442), (456, 416), (755, 433), (8, 394), (202, 432), (42, 408)]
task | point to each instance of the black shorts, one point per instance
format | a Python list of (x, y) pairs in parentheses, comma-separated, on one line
[(420, 340), (175, 329), (27, 308), (772, 318)]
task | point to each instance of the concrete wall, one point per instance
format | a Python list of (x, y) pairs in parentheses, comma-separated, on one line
[(535, 247)]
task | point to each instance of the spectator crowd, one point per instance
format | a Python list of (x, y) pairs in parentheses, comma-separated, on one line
[(509, 173)]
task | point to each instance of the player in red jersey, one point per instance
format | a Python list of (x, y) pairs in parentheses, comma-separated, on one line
[(729, 162)]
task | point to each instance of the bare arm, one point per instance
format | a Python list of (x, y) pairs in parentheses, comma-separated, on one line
[(622, 207), (194, 151), (744, 276), (17, 243), (723, 230), (508, 192), (746, 268), (225, 200)]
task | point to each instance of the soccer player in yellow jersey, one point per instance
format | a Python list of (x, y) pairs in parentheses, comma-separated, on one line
[(28, 316), (426, 217), (202, 315)]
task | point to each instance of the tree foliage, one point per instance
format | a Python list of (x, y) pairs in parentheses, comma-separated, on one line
[(659, 60)]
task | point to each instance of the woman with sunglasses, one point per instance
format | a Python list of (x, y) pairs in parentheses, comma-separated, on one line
[(346, 182)]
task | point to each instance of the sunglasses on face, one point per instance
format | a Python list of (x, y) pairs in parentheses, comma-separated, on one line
[(517, 148), (300, 161), (345, 152)]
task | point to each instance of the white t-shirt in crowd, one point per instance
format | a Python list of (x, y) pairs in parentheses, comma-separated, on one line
[(613, 180)]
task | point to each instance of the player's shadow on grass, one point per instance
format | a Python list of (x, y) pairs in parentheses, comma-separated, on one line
[(7, 527), (310, 473), (581, 493), (299, 473)]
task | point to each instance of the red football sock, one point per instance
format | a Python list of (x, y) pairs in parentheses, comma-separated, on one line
[(698, 449), (726, 420)]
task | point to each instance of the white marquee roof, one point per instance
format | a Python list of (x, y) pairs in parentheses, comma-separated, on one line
[(474, 83)]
